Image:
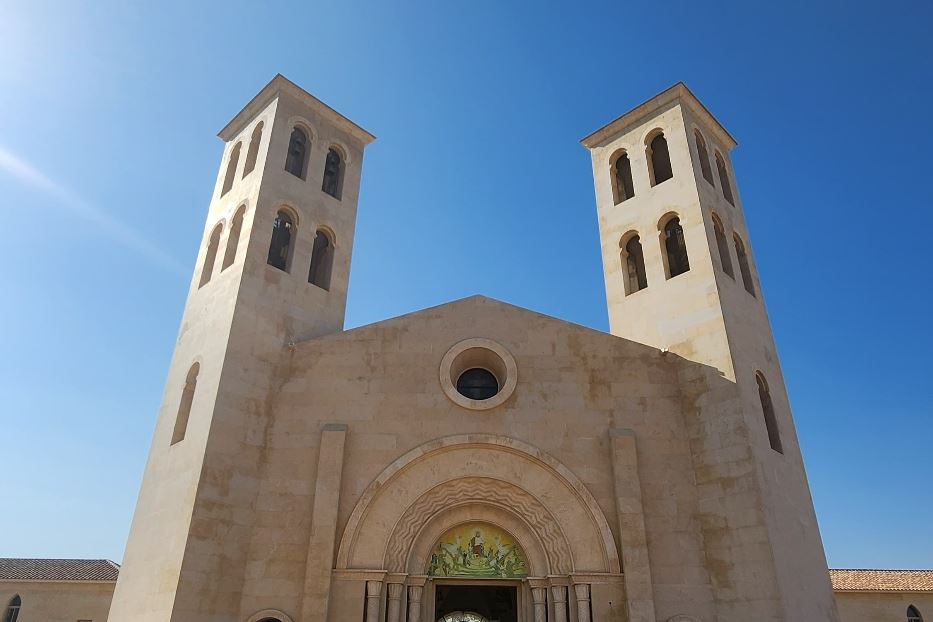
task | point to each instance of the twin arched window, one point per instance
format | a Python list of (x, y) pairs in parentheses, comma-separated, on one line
[(251, 155), (675, 248), (12, 609), (767, 409), (297, 158), (659, 159), (633, 266), (280, 248), (184, 406)]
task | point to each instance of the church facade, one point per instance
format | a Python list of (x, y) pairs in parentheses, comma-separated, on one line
[(474, 461)]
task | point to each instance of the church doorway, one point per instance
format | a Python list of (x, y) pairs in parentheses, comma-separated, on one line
[(475, 603)]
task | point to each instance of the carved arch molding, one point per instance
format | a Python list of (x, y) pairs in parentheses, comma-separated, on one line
[(503, 481)]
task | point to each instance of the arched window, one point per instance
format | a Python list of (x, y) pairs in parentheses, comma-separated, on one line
[(211, 255), (659, 160), (280, 248), (724, 258), (767, 409), (333, 173), (253, 150), (633, 265), (742, 256), (675, 248), (12, 609), (184, 405), (913, 614), (724, 179), (322, 260), (297, 157), (621, 170), (233, 239), (704, 156), (231, 169)]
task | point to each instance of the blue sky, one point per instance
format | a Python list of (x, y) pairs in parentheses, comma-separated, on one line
[(477, 183)]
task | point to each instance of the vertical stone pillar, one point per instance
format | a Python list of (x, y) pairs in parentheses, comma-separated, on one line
[(636, 571), (373, 594), (539, 597), (582, 591), (320, 560), (394, 606), (559, 594), (414, 603)]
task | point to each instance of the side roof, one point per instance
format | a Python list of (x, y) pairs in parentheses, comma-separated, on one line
[(637, 114), (14, 569), (868, 580), (281, 84)]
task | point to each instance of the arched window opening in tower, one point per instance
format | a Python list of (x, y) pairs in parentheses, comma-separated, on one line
[(704, 157), (633, 266), (296, 160), (767, 409), (210, 257), (231, 169), (322, 260), (724, 258), (253, 152), (477, 384), (233, 238), (333, 173), (913, 614), (622, 187), (184, 405), (12, 609), (675, 248), (280, 247), (659, 160), (742, 256), (724, 179)]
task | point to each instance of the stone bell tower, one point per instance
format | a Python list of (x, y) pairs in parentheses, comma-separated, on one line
[(272, 269), (680, 276)]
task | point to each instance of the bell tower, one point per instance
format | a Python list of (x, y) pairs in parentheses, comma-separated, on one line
[(680, 276), (272, 269)]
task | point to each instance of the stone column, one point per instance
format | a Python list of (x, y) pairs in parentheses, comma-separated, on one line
[(394, 607), (559, 594), (414, 603), (321, 541), (539, 596), (582, 590), (373, 593)]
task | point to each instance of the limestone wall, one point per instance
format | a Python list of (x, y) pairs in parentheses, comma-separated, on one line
[(882, 606), (52, 601)]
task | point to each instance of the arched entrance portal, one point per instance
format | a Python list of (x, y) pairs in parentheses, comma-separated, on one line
[(478, 524)]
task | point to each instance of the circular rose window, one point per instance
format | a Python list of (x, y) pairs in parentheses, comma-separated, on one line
[(478, 374)]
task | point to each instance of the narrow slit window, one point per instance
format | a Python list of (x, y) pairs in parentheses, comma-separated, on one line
[(280, 247), (704, 157), (724, 179), (184, 404), (333, 173), (210, 257), (744, 268), (233, 239), (297, 157), (633, 266), (622, 186), (724, 258), (231, 169), (322, 260), (767, 409), (253, 152), (659, 159), (675, 248)]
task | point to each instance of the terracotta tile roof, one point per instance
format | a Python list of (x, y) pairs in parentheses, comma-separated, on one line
[(866, 580), (58, 569)]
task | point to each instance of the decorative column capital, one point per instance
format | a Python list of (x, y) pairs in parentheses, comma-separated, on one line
[(395, 591), (582, 590)]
